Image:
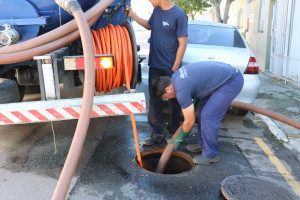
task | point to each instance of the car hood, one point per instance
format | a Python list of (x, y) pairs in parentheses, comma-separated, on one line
[(236, 57)]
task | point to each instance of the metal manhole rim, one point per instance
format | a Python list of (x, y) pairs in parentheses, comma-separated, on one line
[(181, 154), (266, 181)]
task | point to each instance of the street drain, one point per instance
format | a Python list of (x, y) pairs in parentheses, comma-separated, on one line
[(239, 187), (179, 162)]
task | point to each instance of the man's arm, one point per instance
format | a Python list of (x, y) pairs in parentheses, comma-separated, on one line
[(180, 52), (139, 20), (187, 125), (189, 118)]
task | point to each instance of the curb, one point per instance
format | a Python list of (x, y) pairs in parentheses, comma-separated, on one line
[(275, 130)]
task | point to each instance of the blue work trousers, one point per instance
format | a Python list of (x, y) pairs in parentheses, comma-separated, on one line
[(211, 110), (156, 105)]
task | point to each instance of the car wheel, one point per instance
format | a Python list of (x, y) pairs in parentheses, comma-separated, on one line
[(9, 91), (239, 112)]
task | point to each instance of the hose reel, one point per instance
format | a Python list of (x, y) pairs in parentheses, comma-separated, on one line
[(119, 41)]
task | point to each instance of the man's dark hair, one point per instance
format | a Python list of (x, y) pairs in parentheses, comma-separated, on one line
[(159, 85)]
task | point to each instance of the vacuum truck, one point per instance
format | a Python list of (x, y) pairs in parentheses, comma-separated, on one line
[(41, 52)]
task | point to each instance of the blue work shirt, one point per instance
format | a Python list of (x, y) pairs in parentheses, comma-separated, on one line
[(166, 27), (197, 80)]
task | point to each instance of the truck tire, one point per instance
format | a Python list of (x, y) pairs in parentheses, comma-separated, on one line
[(9, 91)]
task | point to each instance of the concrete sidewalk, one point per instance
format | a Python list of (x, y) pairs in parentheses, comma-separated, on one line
[(278, 96)]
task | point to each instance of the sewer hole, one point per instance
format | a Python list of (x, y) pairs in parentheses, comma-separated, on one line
[(179, 162)]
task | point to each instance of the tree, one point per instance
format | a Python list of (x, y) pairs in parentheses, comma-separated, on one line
[(192, 7), (216, 5)]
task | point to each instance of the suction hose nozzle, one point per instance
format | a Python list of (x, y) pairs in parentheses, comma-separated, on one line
[(9, 36)]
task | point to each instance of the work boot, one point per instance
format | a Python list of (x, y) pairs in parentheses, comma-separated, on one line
[(201, 160), (195, 148), (154, 138)]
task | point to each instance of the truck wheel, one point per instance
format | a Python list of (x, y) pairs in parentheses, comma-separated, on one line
[(9, 91)]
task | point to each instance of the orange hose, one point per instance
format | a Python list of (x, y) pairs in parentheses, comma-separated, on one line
[(124, 58), (130, 61), (113, 40), (118, 59), (266, 112), (116, 40), (136, 141)]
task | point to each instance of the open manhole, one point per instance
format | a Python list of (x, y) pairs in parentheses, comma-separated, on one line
[(179, 162), (239, 187)]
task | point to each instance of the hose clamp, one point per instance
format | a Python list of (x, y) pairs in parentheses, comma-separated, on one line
[(69, 5)]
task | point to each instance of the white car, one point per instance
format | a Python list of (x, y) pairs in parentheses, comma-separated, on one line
[(224, 43)]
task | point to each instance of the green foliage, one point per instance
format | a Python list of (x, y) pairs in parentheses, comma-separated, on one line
[(192, 7)]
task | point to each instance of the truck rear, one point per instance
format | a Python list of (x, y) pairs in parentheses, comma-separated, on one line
[(41, 52)]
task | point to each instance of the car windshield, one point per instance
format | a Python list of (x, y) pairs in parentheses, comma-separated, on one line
[(211, 35)]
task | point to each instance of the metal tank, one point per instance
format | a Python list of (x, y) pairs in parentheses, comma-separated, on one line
[(22, 20)]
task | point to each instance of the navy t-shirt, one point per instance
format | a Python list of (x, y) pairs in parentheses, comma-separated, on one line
[(197, 80), (166, 27)]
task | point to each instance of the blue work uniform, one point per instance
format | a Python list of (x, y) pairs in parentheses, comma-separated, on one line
[(166, 27), (215, 84)]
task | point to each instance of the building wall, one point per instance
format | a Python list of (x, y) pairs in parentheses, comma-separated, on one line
[(246, 16), (237, 15), (259, 41)]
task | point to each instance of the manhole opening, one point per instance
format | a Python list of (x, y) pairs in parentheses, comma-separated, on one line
[(179, 162)]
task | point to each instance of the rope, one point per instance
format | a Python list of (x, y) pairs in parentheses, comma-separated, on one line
[(113, 40)]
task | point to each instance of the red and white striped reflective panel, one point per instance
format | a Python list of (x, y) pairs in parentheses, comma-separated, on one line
[(55, 114)]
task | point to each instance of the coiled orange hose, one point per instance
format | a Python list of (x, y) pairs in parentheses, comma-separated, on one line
[(116, 40), (113, 40)]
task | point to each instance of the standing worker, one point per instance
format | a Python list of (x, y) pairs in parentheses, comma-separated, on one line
[(215, 85), (168, 25)]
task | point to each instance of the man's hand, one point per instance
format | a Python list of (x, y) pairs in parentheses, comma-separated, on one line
[(144, 23), (128, 11), (180, 138), (175, 68)]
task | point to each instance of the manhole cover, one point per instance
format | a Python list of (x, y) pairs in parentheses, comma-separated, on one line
[(251, 187), (179, 162)]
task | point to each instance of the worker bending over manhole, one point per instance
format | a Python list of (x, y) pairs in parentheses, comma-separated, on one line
[(214, 85)]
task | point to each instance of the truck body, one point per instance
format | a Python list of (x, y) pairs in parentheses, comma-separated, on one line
[(51, 75)]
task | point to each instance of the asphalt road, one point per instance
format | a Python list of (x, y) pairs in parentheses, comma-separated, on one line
[(32, 156)]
